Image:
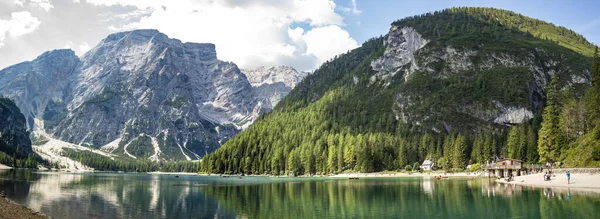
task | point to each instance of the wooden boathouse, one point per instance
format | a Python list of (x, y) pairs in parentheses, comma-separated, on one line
[(504, 168)]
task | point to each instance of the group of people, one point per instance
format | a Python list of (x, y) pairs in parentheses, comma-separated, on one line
[(548, 174)]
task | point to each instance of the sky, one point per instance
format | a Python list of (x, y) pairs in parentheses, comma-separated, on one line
[(250, 33)]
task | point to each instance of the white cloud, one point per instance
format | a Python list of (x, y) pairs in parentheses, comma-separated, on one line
[(326, 42), (19, 24), (319, 12), (43, 4), (250, 33), (68, 45), (354, 7), (19, 2), (84, 47)]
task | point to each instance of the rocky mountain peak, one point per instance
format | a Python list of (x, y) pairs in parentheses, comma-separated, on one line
[(141, 35), (142, 94), (57, 54), (34, 83), (271, 84), (270, 75)]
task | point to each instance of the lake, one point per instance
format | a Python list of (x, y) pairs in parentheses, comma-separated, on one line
[(114, 195)]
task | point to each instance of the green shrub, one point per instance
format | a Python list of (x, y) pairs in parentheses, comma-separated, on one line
[(416, 166), (475, 167)]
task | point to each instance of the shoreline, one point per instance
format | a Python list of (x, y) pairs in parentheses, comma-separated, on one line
[(579, 181), (400, 174), (11, 209), (174, 173), (4, 167), (354, 175)]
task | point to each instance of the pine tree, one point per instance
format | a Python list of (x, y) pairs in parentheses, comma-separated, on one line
[(476, 154), (294, 165), (549, 140), (449, 151), (513, 142), (349, 152), (522, 149), (425, 146), (488, 150), (402, 159), (332, 159), (532, 151), (460, 153), (340, 160), (331, 153)]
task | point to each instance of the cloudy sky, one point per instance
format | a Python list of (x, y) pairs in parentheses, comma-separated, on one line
[(251, 33)]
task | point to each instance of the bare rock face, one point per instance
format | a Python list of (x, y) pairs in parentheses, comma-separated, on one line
[(40, 83), (272, 84), (144, 95), (401, 45), (141, 85), (285, 74), (514, 116)]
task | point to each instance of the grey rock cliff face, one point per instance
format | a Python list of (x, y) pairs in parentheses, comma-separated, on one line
[(401, 45), (289, 76), (35, 84), (272, 84), (142, 83), (153, 96)]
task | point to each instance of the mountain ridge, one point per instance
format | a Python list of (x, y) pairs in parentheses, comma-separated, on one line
[(139, 94)]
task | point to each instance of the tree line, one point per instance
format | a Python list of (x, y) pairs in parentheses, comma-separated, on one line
[(103, 163)]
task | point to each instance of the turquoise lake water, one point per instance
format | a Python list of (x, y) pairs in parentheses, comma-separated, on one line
[(112, 195)]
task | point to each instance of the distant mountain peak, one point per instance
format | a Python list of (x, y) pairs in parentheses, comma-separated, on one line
[(140, 33), (57, 52), (273, 74), (138, 44)]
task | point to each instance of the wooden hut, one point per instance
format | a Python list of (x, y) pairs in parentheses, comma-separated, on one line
[(504, 168)]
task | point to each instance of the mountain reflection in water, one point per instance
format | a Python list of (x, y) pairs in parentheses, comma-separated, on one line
[(111, 195)]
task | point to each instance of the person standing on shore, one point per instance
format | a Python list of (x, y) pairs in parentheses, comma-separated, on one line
[(568, 177)]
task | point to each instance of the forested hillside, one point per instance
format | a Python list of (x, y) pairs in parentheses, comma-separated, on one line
[(462, 85)]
